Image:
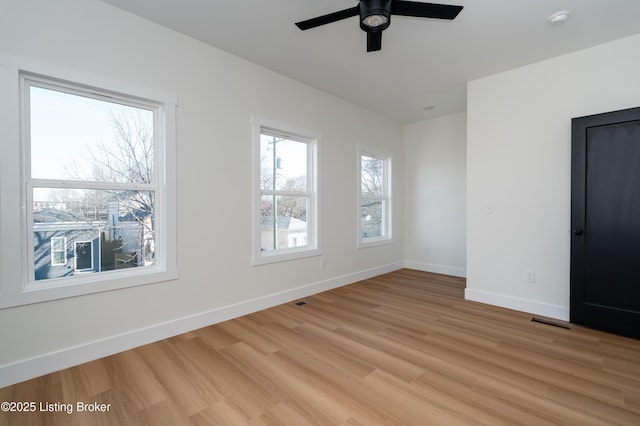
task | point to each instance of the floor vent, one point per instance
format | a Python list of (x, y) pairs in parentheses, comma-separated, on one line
[(303, 302), (555, 323)]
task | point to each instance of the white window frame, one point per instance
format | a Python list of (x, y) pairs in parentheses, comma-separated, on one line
[(387, 228), (313, 248), (53, 251), (17, 284)]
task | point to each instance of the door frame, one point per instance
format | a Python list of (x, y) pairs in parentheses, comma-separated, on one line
[(75, 255)]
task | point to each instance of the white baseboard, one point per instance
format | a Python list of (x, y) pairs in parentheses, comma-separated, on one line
[(47, 363), (518, 304), (437, 269)]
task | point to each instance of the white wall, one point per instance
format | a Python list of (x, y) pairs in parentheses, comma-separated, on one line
[(218, 93), (435, 195), (518, 156)]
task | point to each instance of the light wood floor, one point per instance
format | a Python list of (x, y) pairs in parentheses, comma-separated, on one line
[(403, 348)]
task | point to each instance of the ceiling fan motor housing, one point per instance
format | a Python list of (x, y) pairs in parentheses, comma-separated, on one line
[(373, 9)]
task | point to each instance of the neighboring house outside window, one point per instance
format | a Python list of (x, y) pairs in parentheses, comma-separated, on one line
[(93, 160), (374, 196), (286, 196), (94, 245)]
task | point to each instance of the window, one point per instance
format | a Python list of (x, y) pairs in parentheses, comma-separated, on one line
[(58, 251), (285, 193), (93, 161), (374, 196)]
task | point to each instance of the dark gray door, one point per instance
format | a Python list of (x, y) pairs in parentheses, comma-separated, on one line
[(84, 255), (605, 216)]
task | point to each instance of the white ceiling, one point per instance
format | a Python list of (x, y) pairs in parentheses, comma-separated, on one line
[(423, 62)]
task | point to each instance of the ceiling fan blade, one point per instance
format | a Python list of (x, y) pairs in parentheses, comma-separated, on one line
[(374, 41), (327, 19), (424, 10)]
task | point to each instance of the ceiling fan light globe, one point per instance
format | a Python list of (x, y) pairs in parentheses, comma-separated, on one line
[(375, 21)]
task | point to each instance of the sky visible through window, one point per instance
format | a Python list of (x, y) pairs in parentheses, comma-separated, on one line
[(66, 129), (290, 158)]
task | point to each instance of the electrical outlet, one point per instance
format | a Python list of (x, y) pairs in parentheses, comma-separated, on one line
[(531, 277)]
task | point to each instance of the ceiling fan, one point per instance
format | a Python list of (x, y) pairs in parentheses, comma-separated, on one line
[(375, 16)]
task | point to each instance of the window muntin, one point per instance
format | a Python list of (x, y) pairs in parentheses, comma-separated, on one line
[(374, 200), (90, 177), (286, 195)]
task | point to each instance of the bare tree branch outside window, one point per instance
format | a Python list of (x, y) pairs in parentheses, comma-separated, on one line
[(130, 159)]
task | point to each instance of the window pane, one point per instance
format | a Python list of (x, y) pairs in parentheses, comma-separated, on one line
[(80, 138), (283, 164), (104, 230), (372, 175), (371, 218), (57, 244), (59, 258), (267, 223), (284, 222)]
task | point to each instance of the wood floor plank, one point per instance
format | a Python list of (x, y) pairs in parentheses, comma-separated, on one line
[(221, 414), (181, 381), (403, 348), (297, 338)]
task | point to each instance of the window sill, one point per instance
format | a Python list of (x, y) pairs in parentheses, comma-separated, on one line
[(374, 242), (54, 289), (284, 256)]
